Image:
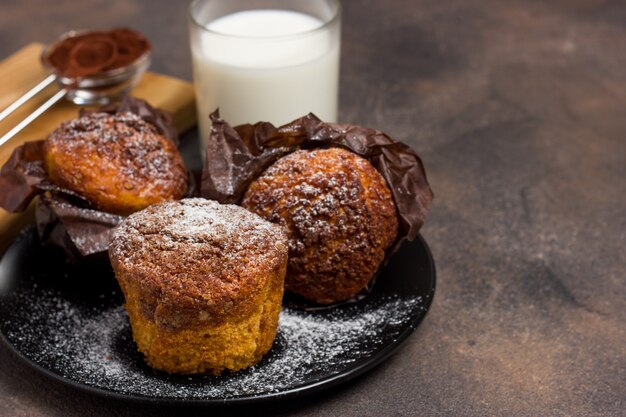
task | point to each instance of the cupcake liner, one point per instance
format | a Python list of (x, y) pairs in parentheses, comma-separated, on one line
[(235, 156), (22, 177), (80, 231)]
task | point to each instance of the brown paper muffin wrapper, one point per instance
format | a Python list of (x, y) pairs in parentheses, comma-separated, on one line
[(63, 217), (236, 156)]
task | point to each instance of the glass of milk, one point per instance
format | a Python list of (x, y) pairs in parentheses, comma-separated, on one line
[(265, 60)]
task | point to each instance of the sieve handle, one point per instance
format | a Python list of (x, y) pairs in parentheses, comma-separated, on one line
[(35, 114), (27, 96)]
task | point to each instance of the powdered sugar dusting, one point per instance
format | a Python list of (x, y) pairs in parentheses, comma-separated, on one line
[(193, 220), (199, 249), (198, 218), (94, 347), (68, 319)]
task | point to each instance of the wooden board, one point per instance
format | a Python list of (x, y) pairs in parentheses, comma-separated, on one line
[(23, 70)]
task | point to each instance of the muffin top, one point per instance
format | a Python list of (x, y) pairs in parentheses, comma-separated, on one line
[(340, 217), (120, 163), (198, 254)]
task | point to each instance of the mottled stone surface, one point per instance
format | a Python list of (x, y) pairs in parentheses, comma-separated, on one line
[(518, 109)]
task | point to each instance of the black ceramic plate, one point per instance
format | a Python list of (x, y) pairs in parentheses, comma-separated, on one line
[(67, 321)]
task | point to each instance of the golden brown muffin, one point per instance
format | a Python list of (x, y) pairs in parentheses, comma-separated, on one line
[(119, 163), (203, 284), (340, 216)]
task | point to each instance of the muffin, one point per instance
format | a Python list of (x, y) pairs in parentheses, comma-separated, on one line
[(119, 162), (340, 217), (203, 284)]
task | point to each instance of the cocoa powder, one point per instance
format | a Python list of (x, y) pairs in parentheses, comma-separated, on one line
[(94, 52)]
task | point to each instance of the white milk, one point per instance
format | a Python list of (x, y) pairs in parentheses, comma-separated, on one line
[(265, 65)]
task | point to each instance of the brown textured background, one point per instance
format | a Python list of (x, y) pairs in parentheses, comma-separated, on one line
[(518, 109)]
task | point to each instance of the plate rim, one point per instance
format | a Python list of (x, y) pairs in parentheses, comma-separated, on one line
[(304, 389)]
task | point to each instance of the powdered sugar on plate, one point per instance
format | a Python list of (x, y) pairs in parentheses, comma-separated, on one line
[(86, 341)]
